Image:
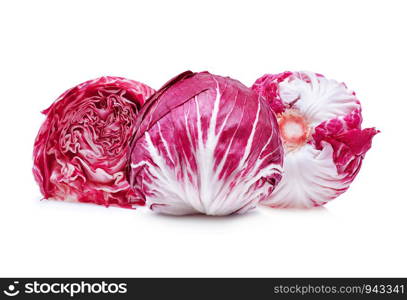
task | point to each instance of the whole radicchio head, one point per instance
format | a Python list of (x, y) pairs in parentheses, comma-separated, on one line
[(320, 125), (81, 150), (205, 144)]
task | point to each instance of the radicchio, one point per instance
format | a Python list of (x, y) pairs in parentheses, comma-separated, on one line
[(81, 150), (205, 144), (320, 124)]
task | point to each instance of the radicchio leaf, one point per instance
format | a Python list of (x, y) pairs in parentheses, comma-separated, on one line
[(81, 151), (205, 144), (324, 144)]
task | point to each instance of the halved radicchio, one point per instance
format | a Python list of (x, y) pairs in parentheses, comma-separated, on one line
[(81, 151), (205, 144), (320, 125)]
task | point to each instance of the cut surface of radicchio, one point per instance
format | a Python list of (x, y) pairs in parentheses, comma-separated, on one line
[(324, 144), (205, 144), (81, 150)]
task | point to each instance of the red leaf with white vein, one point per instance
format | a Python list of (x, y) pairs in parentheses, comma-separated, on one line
[(81, 151), (320, 124), (205, 144)]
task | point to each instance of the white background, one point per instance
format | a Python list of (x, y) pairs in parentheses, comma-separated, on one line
[(47, 47)]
